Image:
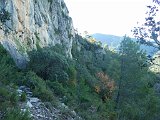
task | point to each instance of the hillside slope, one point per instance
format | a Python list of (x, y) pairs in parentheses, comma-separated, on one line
[(65, 76)]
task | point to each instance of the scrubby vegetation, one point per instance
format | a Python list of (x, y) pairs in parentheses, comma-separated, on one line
[(4, 15), (97, 83), (9, 78)]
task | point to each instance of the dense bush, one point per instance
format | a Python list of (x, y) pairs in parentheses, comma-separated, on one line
[(37, 85), (23, 97), (16, 114), (49, 64), (4, 15), (7, 66), (57, 88)]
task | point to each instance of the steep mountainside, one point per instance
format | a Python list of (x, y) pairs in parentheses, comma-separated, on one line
[(35, 23), (66, 76)]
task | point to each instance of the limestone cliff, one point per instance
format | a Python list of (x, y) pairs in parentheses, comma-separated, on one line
[(35, 23)]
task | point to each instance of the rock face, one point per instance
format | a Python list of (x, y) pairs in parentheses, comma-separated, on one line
[(35, 23)]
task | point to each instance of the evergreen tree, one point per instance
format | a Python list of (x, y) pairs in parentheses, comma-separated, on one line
[(129, 103)]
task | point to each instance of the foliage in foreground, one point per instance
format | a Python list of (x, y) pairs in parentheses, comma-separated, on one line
[(16, 114)]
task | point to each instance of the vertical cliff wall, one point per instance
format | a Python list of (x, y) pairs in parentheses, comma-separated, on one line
[(35, 23)]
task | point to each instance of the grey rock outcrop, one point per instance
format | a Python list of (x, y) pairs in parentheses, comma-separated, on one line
[(35, 23), (39, 111)]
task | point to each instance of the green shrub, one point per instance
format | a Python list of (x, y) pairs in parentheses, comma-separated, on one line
[(4, 97), (49, 65), (16, 114), (7, 67), (50, 1), (23, 97), (4, 16), (43, 93), (57, 88), (62, 4), (57, 31), (14, 98), (72, 73), (38, 86), (3, 93), (58, 49)]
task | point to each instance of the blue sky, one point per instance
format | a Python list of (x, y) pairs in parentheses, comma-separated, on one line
[(115, 17)]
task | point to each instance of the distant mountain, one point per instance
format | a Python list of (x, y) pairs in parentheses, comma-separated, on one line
[(114, 41), (111, 40)]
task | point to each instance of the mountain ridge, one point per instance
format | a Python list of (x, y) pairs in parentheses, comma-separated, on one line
[(113, 42)]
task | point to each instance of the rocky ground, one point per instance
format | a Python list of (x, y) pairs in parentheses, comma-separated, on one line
[(39, 111)]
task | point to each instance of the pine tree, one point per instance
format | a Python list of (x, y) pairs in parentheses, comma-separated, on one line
[(129, 95)]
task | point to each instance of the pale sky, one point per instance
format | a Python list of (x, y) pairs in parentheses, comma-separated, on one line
[(116, 17)]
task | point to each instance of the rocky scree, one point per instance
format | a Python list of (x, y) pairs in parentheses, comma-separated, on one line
[(39, 111)]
